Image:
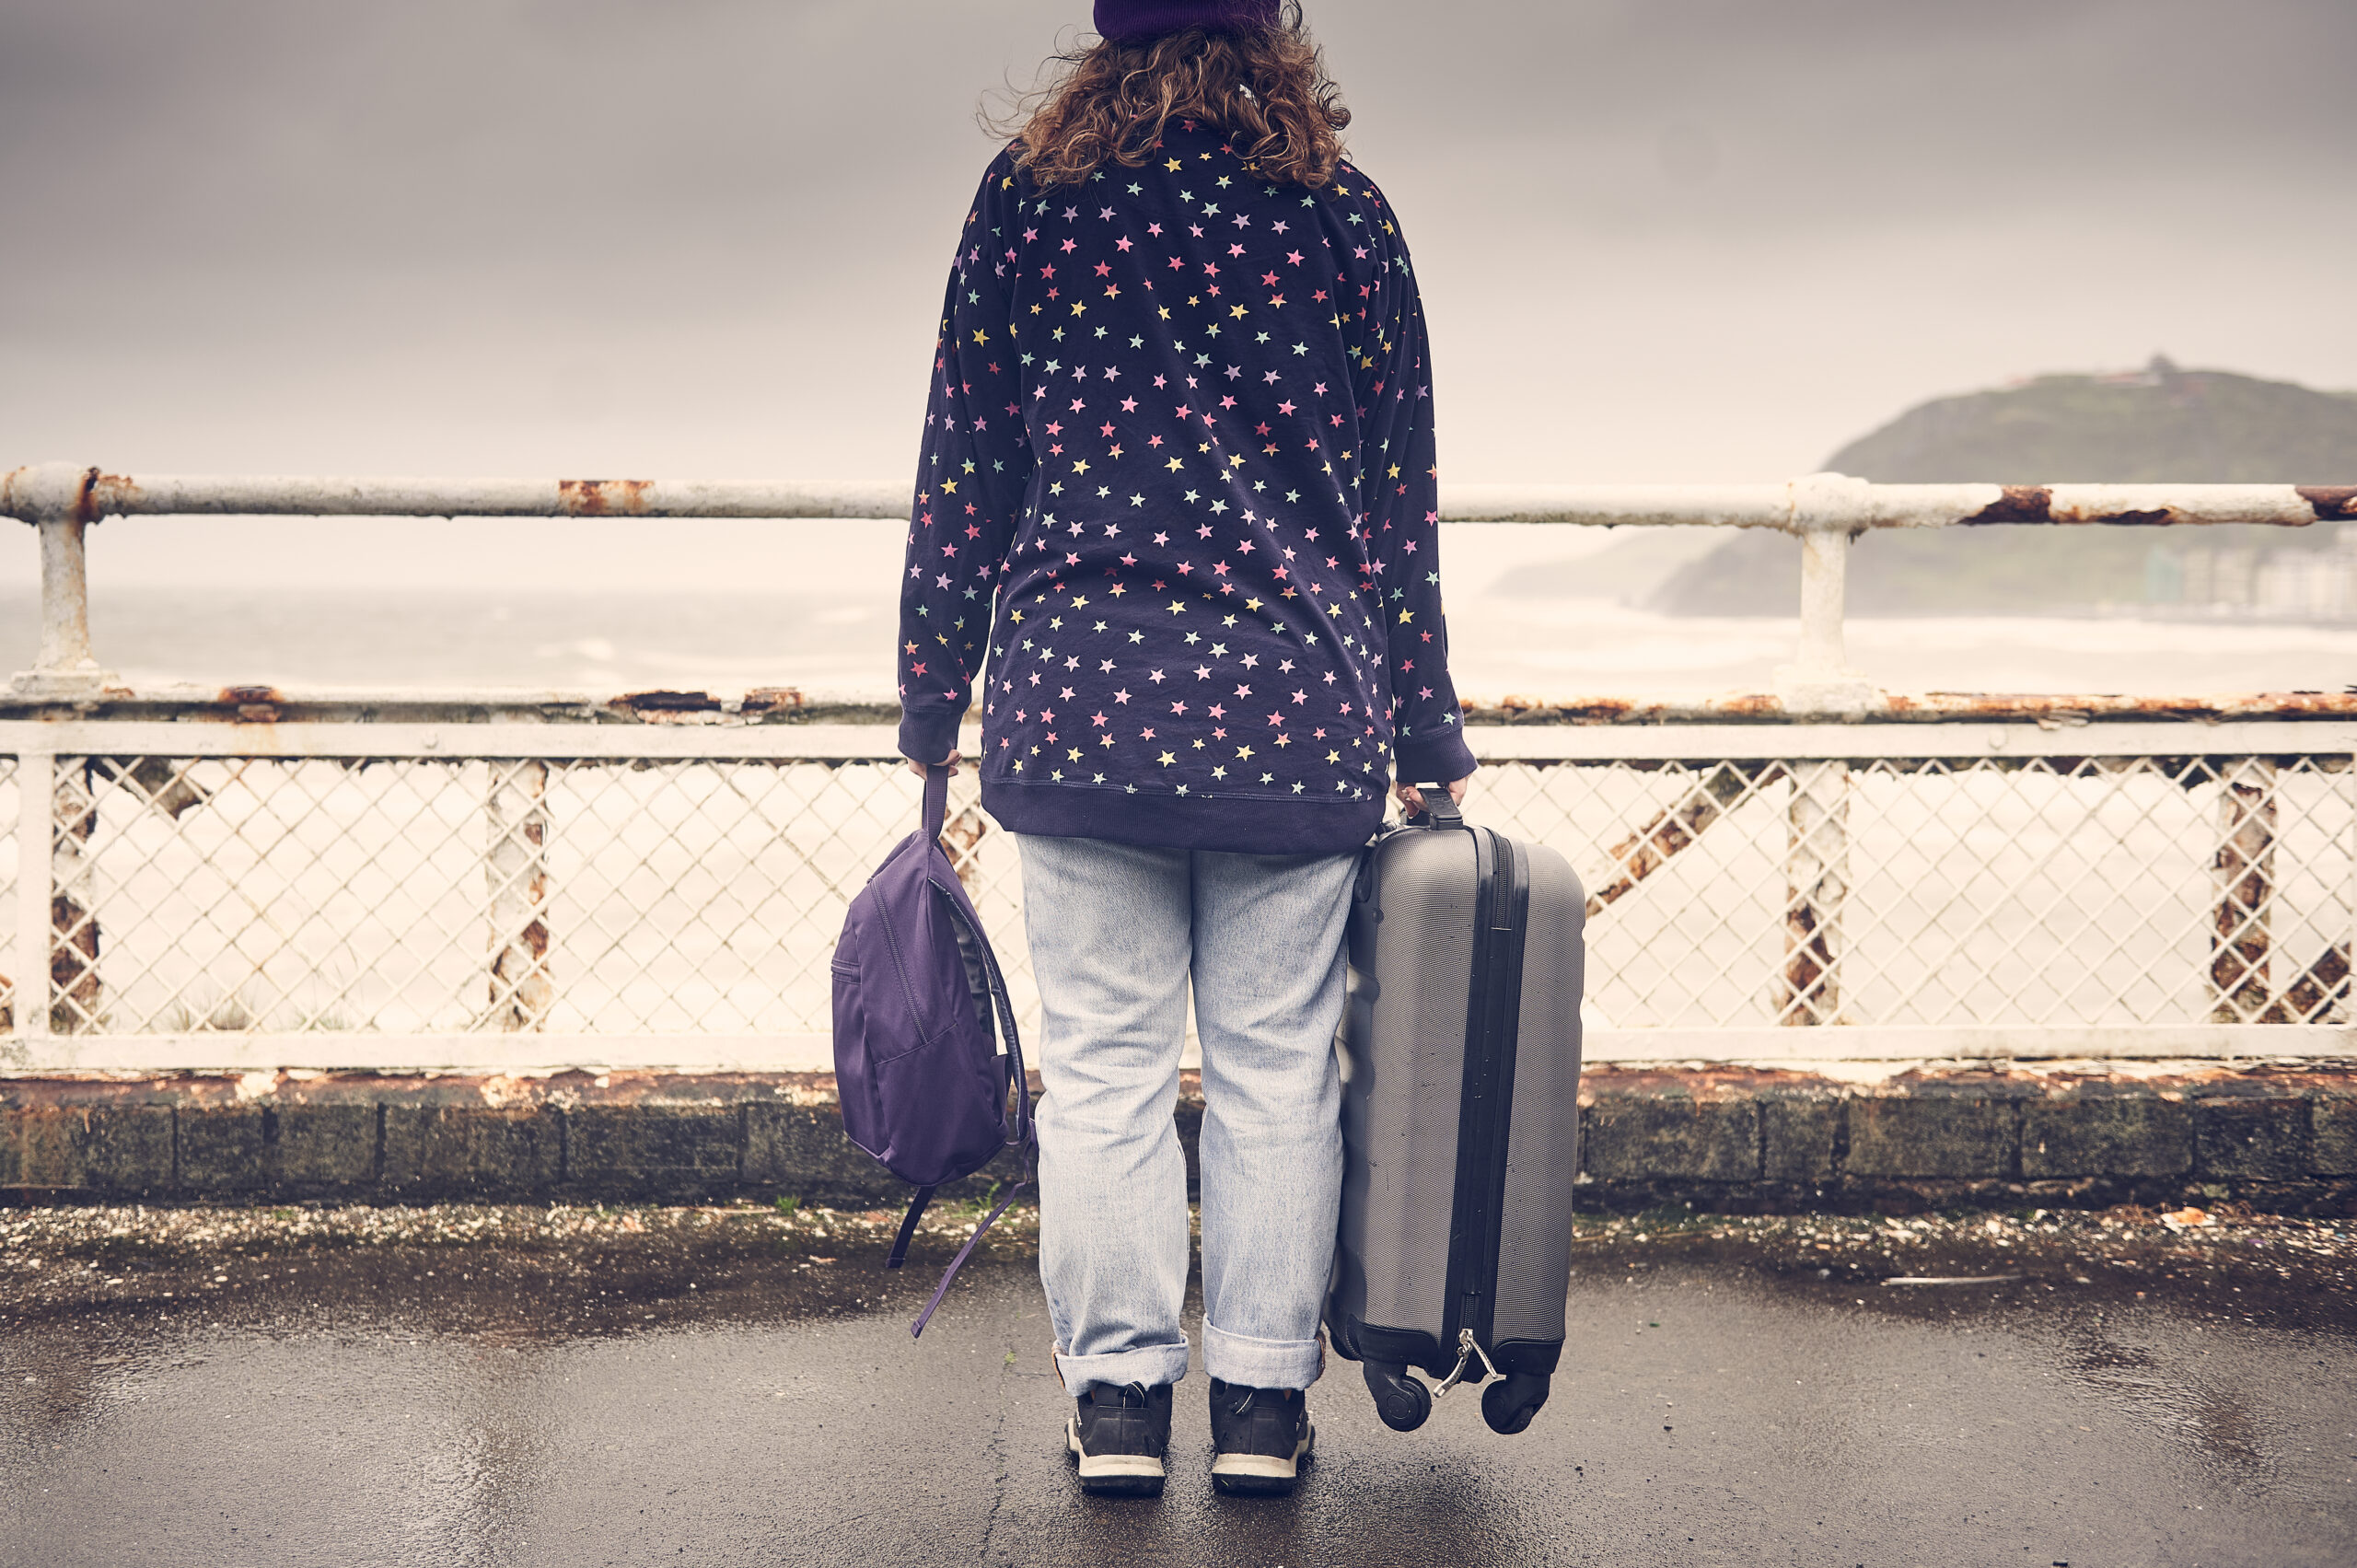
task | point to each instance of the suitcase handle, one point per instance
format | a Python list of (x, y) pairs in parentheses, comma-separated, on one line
[(1440, 808)]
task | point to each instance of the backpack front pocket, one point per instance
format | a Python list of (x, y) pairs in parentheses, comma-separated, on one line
[(854, 1062)]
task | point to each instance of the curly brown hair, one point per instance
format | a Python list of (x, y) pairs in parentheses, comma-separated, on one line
[(1266, 87)]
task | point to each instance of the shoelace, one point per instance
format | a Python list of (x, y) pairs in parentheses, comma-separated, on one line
[(1243, 1406)]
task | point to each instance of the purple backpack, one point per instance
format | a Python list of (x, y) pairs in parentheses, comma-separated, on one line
[(922, 1081)]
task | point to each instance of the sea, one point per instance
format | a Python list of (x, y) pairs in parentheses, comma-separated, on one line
[(603, 606), (838, 640)]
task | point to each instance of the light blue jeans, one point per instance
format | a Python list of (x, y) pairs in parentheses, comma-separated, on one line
[(1116, 931)]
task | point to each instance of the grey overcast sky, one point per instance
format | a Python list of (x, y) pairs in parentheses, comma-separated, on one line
[(1659, 239)]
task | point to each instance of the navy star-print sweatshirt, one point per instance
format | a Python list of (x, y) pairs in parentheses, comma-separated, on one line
[(1176, 506)]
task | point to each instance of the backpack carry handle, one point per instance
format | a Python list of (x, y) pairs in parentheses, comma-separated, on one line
[(935, 810)]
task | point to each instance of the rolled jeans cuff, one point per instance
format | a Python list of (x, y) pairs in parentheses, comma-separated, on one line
[(1149, 1364), (1260, 1364)]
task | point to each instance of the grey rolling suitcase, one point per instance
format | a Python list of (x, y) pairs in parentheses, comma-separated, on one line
[(1460, 1118)]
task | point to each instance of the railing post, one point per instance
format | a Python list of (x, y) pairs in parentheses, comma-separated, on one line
[(61, 501), (2240, 943), (1817, 868), (31, 1000), (1829, 511), (65, 598), (517, 867), (1825, 590)]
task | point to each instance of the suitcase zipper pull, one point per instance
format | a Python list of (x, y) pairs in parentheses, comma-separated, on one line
[(1465, 1349)]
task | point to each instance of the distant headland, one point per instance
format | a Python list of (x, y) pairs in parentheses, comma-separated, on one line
[(2156, 425)]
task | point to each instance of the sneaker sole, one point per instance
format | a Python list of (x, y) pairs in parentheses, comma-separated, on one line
[(1113, 1475), (1261, 1475)]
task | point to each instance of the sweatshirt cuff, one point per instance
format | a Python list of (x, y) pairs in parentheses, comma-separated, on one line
[(929, 735), (1441, 757)]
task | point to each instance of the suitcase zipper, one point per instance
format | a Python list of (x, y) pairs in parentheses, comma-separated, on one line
[(1465, 1350)]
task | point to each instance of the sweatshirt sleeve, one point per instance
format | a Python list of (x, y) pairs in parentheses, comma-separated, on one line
[(973, 471), (1403, 517)]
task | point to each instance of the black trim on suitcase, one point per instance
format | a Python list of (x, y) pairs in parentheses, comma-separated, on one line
[(1539, 1356), (1400, 1347), (1493, 1030)]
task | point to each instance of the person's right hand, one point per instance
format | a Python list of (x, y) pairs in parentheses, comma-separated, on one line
[(920, 769), (1412, 799)]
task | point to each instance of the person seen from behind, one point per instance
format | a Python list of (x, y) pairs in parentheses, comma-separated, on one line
[(1176, 508)]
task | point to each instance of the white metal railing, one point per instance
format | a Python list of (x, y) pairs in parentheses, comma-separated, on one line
[(250, 878), (1825, 511)]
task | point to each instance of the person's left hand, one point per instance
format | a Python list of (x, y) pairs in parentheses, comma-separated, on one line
[(920, 769), (1412, 799)]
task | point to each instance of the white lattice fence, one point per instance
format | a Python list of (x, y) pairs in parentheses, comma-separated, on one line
[(640, 899), (2048, 893), (410, 895)]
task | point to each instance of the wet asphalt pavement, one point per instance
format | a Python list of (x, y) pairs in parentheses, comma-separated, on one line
[(714, 1387)]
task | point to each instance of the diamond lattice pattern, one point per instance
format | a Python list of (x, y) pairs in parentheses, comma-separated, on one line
[(654, 897)]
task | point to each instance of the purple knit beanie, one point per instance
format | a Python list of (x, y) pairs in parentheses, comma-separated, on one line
[(1129, 19)]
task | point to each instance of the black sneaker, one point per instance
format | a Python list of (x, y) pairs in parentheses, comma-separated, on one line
[(1259, 1437), (1118, 1437)]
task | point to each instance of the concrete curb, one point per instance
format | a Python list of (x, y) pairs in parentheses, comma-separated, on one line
[(2279, 1137)]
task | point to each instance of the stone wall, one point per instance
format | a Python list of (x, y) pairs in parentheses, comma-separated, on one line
[(2279, 1137)]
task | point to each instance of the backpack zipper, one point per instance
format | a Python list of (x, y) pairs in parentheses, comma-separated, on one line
[(892, 946)]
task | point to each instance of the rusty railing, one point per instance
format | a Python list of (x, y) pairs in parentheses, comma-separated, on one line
[(249, 876)]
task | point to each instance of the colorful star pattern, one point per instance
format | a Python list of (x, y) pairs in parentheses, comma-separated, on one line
[(1180, 444)]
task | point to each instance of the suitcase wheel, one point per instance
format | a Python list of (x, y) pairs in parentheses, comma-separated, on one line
[(1402, 1401), (1510, 1402)]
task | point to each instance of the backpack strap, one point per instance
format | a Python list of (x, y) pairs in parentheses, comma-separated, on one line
[(916, 1330), (899, 1253), (1002, 1006), (1023, 1135)]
